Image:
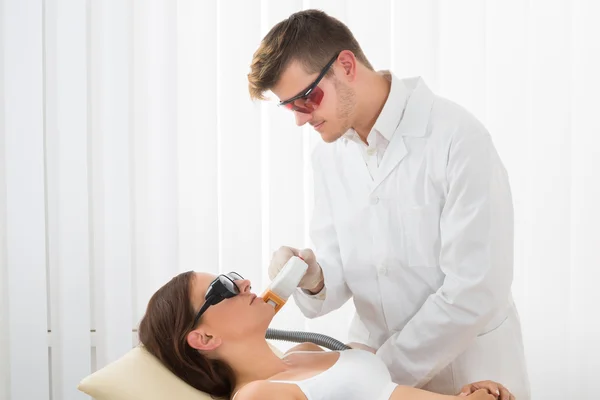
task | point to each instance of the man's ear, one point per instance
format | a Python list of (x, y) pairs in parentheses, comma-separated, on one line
[(200, 339), (348, 63)]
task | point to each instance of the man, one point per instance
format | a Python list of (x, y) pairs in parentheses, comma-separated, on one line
[(413, 213)]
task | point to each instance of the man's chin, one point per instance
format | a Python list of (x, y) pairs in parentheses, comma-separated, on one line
[(329, 137)]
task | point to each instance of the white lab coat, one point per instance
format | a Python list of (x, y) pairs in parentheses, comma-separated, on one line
[(424, 249)]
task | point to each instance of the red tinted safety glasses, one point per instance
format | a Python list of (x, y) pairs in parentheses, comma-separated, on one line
[(309, 99)]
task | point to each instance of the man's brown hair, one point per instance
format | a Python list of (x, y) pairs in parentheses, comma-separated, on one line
[(310, 37)]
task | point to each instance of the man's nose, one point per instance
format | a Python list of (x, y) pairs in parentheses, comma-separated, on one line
[(302, 118)]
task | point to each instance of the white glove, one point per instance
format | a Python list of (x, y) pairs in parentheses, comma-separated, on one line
[(313, 276)]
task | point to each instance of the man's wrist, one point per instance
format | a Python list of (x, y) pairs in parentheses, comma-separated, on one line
[(317, 289), (319, 286)]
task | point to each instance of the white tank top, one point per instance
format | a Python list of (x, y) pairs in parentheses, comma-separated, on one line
[(356, 375)]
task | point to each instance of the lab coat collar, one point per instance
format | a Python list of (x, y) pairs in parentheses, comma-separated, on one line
[(416, 114), (413, 122), (391, 114)]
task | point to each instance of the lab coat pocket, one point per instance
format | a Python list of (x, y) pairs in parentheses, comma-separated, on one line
[(421, 231)]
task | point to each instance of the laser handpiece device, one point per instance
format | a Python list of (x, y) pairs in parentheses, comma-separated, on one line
[(279, 291), (284, 284)]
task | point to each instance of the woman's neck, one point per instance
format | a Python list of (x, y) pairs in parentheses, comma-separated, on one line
[(253, 361)]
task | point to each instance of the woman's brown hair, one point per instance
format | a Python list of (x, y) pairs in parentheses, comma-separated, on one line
[(163, 331)]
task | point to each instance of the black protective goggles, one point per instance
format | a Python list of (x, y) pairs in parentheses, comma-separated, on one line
[(223, 287)]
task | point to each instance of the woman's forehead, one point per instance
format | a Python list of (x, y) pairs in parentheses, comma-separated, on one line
[(200, 285)]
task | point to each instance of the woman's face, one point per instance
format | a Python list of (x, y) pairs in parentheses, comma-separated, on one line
[(234, 318)]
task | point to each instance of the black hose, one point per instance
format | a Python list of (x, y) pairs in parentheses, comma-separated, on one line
[(303, 337)]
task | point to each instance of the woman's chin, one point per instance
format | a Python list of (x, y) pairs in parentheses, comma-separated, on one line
[(262, 314), (266, 307), (269, 312)]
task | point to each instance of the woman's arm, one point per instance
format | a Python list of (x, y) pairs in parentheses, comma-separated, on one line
[(407, 392)]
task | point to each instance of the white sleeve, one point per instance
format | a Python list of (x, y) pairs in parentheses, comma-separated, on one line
[(476, 229), (324, 237)]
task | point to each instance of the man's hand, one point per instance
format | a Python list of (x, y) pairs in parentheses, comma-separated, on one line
[(481, 394), (497, 390), (361, 346), (313, 278)]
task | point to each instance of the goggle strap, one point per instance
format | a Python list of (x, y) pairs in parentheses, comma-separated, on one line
[(207, 303)]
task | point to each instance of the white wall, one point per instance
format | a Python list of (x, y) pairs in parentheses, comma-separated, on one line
[(130, 152)]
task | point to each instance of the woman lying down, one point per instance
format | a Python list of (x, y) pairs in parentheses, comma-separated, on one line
[(210, 332)]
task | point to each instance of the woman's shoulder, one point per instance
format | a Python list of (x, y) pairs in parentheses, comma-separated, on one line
[(304, 347), (265, 390)]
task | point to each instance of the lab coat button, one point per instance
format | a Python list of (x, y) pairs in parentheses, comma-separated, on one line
[(382, 270), (374, 200), (371, 151)]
